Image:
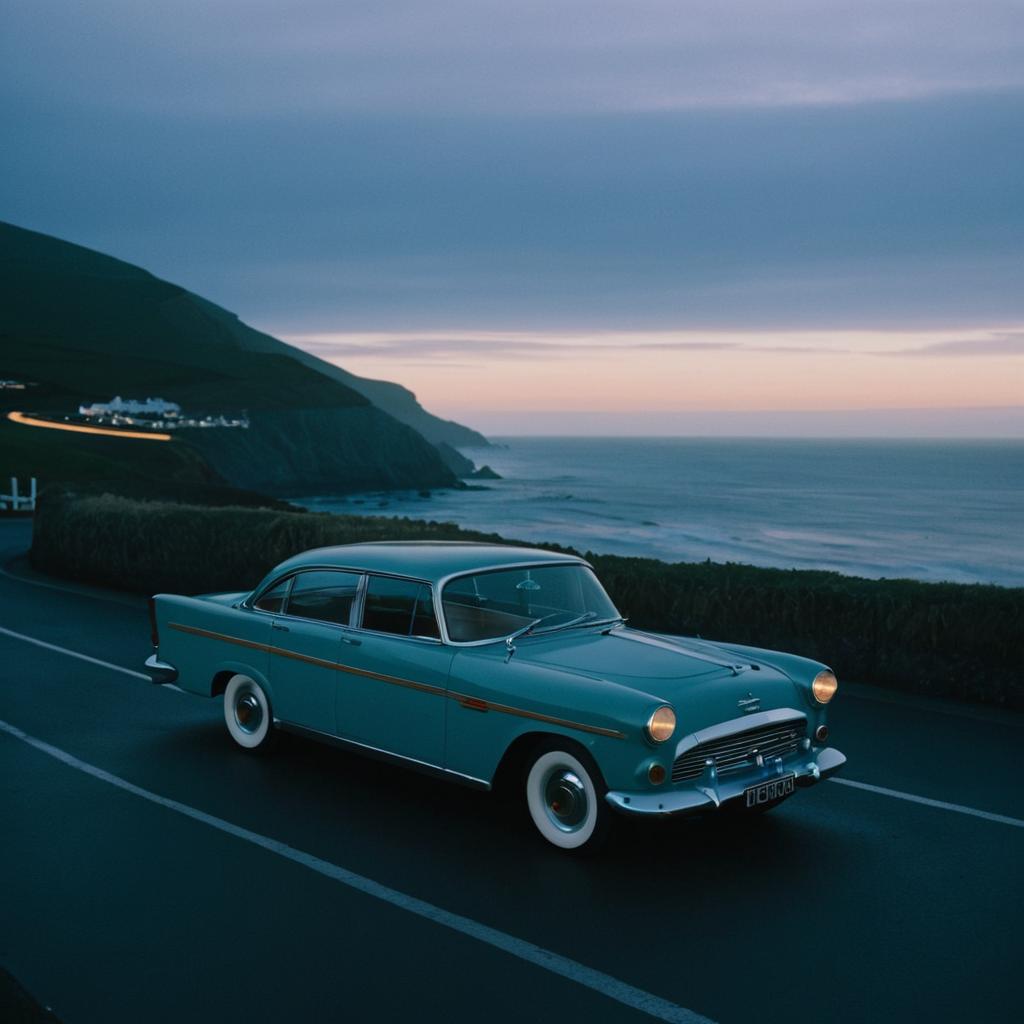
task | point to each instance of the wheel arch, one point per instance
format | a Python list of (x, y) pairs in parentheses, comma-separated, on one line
[(517, 756), (222, 676)]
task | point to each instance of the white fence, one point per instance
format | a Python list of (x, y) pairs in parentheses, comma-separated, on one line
[(17, 502)]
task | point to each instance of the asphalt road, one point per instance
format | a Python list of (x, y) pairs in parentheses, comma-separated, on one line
[(846, 904)]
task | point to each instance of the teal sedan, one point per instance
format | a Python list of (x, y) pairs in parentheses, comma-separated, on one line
[(488, 665)]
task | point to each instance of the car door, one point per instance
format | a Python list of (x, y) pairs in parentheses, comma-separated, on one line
[(396, 672), (305, 637)]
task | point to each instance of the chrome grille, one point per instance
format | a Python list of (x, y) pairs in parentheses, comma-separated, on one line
[(733, 753)]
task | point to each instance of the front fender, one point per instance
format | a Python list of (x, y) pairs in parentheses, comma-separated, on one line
[(495, 701)]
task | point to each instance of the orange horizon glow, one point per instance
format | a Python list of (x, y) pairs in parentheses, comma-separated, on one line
[(30, 421), (462, 373)]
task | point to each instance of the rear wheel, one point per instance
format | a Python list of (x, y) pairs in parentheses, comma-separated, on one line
[(565, 798), (247, 714)]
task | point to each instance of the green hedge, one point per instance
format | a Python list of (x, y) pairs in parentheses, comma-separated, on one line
[(943, 639)]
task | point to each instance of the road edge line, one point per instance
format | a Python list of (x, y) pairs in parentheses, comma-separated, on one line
[(555, 963)]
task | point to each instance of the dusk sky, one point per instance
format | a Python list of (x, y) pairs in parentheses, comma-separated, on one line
[(634, 217)]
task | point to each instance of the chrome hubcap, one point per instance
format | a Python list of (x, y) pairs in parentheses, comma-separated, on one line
[(248, 713), (565, 798)]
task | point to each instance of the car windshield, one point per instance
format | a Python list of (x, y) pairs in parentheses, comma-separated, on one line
[(491, 605)]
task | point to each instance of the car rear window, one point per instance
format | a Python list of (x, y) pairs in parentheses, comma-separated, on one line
[(324, 594), (402, 607)]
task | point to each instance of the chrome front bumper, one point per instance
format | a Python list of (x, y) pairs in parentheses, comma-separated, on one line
[(709, 791), (160, 672)]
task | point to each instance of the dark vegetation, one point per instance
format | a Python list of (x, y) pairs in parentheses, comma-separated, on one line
[(940, 639)]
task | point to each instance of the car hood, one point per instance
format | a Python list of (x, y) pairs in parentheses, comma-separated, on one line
[(704, 683)]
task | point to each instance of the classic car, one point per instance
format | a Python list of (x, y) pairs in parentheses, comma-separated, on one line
[(487, 664)]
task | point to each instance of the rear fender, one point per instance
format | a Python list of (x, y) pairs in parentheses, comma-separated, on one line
[(202, 639)]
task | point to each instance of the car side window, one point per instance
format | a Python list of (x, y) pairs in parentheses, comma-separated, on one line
[(272, 600), (402, 607), (324, 594)]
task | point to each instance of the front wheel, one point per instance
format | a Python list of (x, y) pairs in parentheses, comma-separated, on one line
[(247, 714), (565, 797)]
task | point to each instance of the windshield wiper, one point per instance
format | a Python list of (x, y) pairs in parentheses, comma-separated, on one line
[(531, 626), (510, 640), (585, 617)]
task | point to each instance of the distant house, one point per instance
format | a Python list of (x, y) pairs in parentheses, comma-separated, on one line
[(119, 406)]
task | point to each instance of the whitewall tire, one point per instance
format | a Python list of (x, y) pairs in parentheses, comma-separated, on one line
[(565, 802), (247, 713)]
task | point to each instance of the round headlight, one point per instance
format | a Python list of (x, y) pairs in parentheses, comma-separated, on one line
[(824, 686), (661, 724)]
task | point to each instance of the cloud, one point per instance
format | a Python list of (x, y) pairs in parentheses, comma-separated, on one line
[(489, 347), (1000, 343)]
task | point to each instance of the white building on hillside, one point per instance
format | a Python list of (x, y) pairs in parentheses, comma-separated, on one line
[(119, 406)]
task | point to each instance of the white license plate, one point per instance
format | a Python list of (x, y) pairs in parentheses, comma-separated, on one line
[(764, 792)]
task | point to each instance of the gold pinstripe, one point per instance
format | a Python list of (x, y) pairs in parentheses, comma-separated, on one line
[(464, 700)]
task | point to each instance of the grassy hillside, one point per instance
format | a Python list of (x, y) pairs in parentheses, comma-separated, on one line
[(941, 639), (109, 306), (83, 327)]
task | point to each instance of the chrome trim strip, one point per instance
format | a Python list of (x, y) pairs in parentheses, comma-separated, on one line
[(475, 703), (638, 636), (160, 672), (380, 754)]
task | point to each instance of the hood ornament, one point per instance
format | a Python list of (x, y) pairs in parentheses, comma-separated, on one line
[(749, 703)]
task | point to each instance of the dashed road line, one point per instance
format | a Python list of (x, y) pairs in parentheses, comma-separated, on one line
[(74, 654), (942, 805)]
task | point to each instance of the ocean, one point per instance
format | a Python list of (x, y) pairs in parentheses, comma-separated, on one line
[(928, 509)]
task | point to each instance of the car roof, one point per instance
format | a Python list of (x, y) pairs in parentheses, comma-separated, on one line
[(426, 560)]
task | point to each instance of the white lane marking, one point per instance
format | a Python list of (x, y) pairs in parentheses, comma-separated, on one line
[(928, 802), (599, 982), (73, 654)]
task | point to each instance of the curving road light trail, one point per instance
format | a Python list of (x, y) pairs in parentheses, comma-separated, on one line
[(153, 872), (79, 428)]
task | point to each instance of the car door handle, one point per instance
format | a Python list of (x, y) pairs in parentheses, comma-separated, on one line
[(350, 640), (279, 625)]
